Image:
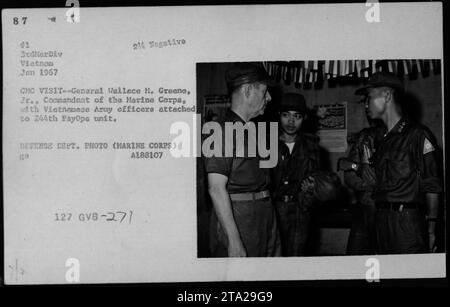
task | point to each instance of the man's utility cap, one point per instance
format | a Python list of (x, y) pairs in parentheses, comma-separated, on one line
[(293, 102), (243, 73), (380, 79)]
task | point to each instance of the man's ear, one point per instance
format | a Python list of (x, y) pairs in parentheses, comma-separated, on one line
[(247, 88), (388, 94)]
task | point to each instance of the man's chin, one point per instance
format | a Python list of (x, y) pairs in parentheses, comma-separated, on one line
[(371, 116), (289, 132)]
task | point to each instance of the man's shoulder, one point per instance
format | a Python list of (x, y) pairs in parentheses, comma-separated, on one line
[(419, 130), (310, 140), (422, 138), (309, 137)]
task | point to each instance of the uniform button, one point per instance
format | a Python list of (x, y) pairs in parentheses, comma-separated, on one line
[(286, 182)]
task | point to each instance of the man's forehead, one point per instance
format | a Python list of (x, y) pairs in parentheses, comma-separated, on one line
[(372, 90), (263, 86), (377, 90)]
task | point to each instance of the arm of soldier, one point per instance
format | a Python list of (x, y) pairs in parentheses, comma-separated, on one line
[(432, 202), (355, 182), (222, 206), (430, 183), (352, 178)]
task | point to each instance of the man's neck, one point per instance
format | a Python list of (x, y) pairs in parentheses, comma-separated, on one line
[(288, 138), (391, 120), (241, 112)]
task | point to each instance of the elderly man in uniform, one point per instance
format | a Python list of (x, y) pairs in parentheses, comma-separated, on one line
[(238, 186), (408, 184), (298, 158)]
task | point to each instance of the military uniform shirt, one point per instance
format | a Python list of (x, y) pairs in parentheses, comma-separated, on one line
[(244, 173), (406, 164)]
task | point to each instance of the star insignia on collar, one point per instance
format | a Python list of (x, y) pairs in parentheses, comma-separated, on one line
[(401, 126)]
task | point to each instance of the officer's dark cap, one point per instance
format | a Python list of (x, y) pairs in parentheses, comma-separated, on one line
[(243, 73), (293, 102), (380, 79)]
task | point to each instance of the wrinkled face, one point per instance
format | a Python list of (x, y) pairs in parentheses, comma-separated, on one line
[(376, 102), (259, 97), (291, 121)]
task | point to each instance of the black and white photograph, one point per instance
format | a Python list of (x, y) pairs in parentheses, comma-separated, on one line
[(359, 168), (224, 144)]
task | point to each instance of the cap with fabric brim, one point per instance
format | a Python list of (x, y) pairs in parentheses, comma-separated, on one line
[(380, 79), (293, 102), (244, 73), (365, 90)]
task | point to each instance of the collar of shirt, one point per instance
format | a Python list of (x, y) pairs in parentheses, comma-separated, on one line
[(297, 138), (399, 127), (297, 143), (231, 116)]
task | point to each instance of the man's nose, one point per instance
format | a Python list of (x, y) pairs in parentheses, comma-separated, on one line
[(268, 97)]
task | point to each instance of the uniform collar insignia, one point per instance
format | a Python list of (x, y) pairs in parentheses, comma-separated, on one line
[(400, 126)]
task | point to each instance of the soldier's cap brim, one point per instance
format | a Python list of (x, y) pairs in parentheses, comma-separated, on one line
[(245, 73), (364, 90), (380, 79)]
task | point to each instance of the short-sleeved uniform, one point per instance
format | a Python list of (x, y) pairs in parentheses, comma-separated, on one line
[(292, 209), (363, 146), (255, 219), (406, 167)]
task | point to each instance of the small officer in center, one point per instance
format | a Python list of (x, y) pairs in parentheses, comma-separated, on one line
[(298, 157)]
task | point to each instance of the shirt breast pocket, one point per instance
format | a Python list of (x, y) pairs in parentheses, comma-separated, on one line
[(398, 166)]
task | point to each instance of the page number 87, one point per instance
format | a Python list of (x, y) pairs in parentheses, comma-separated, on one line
[(16, 20)]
